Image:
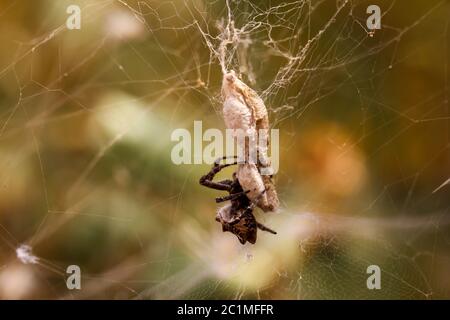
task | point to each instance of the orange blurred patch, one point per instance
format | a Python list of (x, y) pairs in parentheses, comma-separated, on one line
[(331, 161)]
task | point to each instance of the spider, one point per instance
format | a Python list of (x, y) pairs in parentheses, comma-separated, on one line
[(237, 216)]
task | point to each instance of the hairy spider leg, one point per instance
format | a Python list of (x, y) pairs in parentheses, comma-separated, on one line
[(218, 160), (206, 180), (231, 196), (264, 228)]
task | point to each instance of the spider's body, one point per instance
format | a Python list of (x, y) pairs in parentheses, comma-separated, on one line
[(237, 216), (245, 227)]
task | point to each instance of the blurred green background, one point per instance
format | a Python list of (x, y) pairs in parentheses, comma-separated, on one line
[(85, 171)]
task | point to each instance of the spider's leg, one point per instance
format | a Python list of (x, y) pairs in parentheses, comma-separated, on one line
[(264, 228), (231, 196), (215, 185), (218, 160), (206, 180)]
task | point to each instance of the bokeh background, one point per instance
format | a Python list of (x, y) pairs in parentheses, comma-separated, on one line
[(85, 171)]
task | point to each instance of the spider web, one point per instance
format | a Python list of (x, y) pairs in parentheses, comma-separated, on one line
[(86, 176)]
